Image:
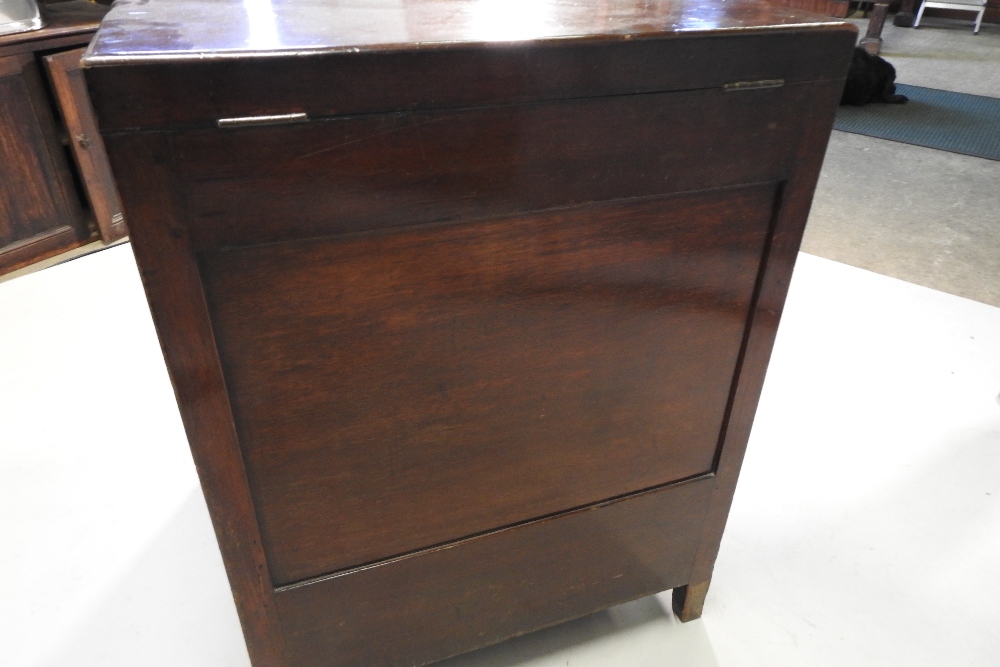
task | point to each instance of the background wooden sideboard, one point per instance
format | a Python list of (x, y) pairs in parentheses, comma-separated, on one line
[(56, 193)]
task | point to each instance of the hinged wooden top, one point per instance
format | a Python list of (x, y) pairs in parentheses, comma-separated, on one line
[(158, 30), (194, 63)]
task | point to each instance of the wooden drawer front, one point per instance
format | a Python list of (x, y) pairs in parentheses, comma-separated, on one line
[(402, 389), (389, 170), (478, 592)]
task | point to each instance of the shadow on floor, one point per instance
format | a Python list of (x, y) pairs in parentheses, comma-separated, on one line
[(642, 633)]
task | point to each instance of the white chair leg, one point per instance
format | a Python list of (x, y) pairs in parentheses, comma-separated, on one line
[(920, 12), (979, 21)]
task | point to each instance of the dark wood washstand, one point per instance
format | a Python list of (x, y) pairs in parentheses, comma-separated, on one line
[(467, 310)]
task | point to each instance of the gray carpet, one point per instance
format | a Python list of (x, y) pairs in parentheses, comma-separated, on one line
[(954, 122)]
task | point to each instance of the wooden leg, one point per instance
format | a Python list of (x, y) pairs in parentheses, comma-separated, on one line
[(689, 601), (904, 17), (872, 41)]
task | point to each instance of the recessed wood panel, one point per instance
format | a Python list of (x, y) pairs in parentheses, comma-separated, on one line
[(398, 390)]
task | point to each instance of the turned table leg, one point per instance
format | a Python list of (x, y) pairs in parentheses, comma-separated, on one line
[(689, 601), (872, 41), (904, 17)]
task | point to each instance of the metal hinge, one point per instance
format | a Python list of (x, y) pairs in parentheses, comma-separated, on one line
[(253, 121), (753, 85)]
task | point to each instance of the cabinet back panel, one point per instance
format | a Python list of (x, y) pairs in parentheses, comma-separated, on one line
[(402, 389)]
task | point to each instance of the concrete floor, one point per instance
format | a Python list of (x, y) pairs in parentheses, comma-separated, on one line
[(921, 215), (943, 53)]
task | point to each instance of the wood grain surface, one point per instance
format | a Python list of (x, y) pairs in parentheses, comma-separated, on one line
[(447, 601), (142, 95), (179, 30), (85, 141), (396, 391), (40, 211), (329, 177)]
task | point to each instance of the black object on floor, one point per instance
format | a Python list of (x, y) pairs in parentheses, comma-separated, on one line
[(947, 121)]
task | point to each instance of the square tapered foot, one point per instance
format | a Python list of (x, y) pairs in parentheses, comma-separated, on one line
[(871, 44), (903, 19), (688, 601)]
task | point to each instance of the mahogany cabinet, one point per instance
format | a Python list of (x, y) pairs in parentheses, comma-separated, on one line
[(56, 190), (467, 310)]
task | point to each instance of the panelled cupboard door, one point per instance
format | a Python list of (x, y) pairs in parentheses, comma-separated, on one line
[(85, 141), (40, 211)]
